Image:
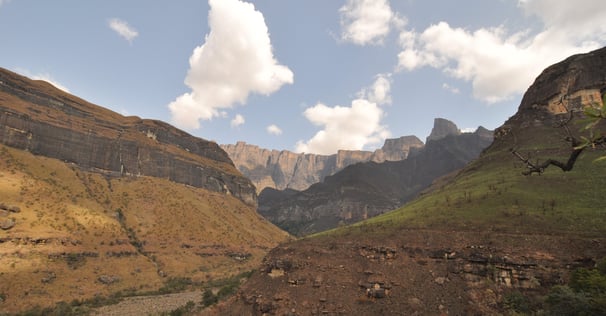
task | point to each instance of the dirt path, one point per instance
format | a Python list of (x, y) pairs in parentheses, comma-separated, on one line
[(149, 305)]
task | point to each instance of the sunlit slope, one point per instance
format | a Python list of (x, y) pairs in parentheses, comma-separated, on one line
[(79, 234), (492, 194)]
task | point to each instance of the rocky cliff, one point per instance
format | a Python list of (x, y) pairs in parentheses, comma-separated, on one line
[(368, 189), (285, 169), (96, 205), (442, 128), (36, 117)]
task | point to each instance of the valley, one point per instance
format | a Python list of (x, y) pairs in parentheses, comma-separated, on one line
[(96, 207)]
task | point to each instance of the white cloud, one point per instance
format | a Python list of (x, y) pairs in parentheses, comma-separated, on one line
[(500, 64), (237, 121), (344, 127), (379, 91), (368, 21), (352, 127), (235, 60), (3, 2), (450, 88), (123, 29), (274, 130)]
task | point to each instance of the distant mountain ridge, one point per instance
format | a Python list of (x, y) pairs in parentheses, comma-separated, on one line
[(287, 170), (367, 189)]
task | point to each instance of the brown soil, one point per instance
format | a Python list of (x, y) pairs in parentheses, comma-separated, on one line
[(410, 272)]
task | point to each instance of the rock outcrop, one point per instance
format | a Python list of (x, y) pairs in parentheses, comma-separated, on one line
[(368, 189), (36, 117), (442, 128), (285, 169)]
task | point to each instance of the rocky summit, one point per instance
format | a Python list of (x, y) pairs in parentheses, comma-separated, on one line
[(487, 240)]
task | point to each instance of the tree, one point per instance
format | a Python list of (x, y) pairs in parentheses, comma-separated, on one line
[(594, 114)]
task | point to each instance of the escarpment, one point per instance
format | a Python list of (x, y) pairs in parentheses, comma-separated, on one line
[(43, 120)]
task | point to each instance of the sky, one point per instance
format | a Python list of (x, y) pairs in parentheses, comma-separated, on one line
[(310, 76)]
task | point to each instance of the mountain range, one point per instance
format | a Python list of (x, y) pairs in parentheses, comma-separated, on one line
[(491, 239), (367, 189)]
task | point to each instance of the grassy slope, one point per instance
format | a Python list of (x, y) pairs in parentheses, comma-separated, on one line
[(76, 226), (491, 193)]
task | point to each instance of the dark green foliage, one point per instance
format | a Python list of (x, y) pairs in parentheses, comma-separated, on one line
[(518, 302), (585, 294), (562, 300), (60, 309), (187, 309), (588, 281), (174, 285), (75, 260), (208, 298)]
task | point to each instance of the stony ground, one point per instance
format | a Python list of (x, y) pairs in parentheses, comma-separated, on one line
[(149, 305), (409, 272)]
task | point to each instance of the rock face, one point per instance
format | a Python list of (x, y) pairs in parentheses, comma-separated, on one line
[(36, 117), (576, 81), (368, 189), (442, 128), (284, 169)]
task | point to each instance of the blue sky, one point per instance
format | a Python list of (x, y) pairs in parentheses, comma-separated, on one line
[(313, 75)]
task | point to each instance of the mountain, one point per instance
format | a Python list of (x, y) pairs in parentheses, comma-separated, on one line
[(284, 169), (44, 121), (365, 190), (442, 128), (95, 205), (486, 241)]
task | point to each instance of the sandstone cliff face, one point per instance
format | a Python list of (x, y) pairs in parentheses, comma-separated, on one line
[(368, 189), (285, 169), (442, 128), (36, 117), (577, 81)]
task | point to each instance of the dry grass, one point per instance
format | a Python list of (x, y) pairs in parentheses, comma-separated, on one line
[(75, 226)]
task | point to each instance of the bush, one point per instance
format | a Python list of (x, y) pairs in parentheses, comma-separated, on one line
[(208, 298), (585, 295), (516, 301)]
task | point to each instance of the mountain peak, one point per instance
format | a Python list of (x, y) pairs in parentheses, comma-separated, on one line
[(442, 128)]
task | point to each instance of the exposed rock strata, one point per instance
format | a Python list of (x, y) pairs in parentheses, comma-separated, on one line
[(285, 169), (36, 117)]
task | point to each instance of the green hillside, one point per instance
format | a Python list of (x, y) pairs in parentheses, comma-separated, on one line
[(492, 193)]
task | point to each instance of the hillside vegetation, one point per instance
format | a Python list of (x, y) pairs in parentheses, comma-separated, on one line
[(492, 194)]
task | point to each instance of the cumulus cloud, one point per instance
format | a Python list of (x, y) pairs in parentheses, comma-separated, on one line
[(235, 60), (123, 29), (499, 63), (350, 127), (237, 120), (274, 130), (368, 21), (379, 92), (344, 127)]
